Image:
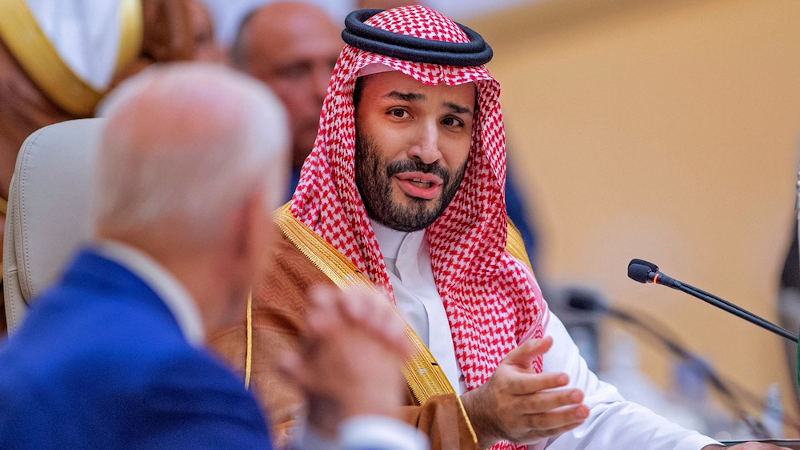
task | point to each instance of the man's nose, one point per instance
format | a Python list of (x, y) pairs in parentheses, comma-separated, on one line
[(426, 148)]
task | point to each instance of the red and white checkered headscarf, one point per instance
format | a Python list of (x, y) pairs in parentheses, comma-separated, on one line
[(492, 301)]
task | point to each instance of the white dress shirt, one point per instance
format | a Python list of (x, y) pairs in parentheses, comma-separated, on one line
[(613, 423), (408, 262)]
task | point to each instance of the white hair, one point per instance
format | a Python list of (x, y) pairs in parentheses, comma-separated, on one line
[(190, 143)]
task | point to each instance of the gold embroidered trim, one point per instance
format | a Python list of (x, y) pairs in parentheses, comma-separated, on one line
[(423, 374), (466, 419), (421, 371), (248, 357), (41, 61), (131, 33), (516, 246)]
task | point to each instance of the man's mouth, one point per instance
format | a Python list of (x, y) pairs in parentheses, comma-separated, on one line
[(419, 185)]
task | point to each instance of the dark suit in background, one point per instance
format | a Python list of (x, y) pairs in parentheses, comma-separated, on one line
[(101, 362)]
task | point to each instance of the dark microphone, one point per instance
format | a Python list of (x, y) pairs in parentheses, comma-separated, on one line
[(646, 272), (652, 327)]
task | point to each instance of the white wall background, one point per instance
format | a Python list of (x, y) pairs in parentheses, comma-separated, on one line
[(228, 13)]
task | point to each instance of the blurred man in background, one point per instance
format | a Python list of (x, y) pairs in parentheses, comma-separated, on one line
[(291, 47), (113, 355), (207, 49), (58, 58)]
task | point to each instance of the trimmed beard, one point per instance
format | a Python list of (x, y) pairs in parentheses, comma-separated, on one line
[(373, 179)]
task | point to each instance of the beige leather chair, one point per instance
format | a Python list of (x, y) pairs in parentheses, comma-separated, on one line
[(49, 210)]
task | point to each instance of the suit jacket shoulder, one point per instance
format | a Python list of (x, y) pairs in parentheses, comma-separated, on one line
[(100, 362)]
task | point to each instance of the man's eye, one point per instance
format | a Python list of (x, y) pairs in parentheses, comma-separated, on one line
[(452, 122), (399, 113)]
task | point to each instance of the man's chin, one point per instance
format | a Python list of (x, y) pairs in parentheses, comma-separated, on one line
[(421, 209), (414, 205)]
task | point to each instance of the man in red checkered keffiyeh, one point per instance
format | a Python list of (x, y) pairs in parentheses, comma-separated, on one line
[(405, 182), (490, 298)]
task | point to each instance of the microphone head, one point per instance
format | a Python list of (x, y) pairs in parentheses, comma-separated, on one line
[(649, 265), (639, 272)]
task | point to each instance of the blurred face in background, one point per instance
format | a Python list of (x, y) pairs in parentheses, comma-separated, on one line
[(205, 43), (292, 47)]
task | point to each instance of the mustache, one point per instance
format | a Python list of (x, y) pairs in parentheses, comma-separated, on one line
[(408, 165)]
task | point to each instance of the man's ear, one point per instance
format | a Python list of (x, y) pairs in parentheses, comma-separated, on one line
[(249, 227)]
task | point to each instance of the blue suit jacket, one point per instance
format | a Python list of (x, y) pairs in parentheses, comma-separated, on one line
[(100, 362)]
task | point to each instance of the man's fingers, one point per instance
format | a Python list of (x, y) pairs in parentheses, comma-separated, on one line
[(529, 384), (570, 416), (322, 311), (384, 322), (290, 367), (321, 296), (371, 312), (552, 423), (364, 307), (524, 355), (537, 434), (355, 305), (352, 305), (355, 312), (548, 401)]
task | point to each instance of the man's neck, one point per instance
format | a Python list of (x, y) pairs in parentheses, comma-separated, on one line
[(389, 239)]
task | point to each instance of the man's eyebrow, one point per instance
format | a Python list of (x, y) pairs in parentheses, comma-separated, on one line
[(458, 109), (405, 96), (414, 96)]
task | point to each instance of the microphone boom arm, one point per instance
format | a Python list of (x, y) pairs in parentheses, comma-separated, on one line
[(736, 311)]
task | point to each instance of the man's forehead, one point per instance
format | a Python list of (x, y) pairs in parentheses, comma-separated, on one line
[(294, 34), (385, 83)]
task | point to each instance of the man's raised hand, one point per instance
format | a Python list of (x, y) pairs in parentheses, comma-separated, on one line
[(521, 406)]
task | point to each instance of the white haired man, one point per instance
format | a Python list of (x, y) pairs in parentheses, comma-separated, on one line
[(291, 46), (190, 166)]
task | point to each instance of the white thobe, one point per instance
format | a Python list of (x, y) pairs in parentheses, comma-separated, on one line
[(408, 263), (613, 423)]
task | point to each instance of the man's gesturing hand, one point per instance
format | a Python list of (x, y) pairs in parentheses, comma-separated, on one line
[(519, 405)]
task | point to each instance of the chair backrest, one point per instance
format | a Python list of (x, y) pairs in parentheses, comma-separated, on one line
[(49, 209)]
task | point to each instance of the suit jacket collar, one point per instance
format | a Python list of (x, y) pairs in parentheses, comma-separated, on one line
[(119, 267)]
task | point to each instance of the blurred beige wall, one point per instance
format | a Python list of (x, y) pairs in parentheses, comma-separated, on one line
[(665, 131)]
